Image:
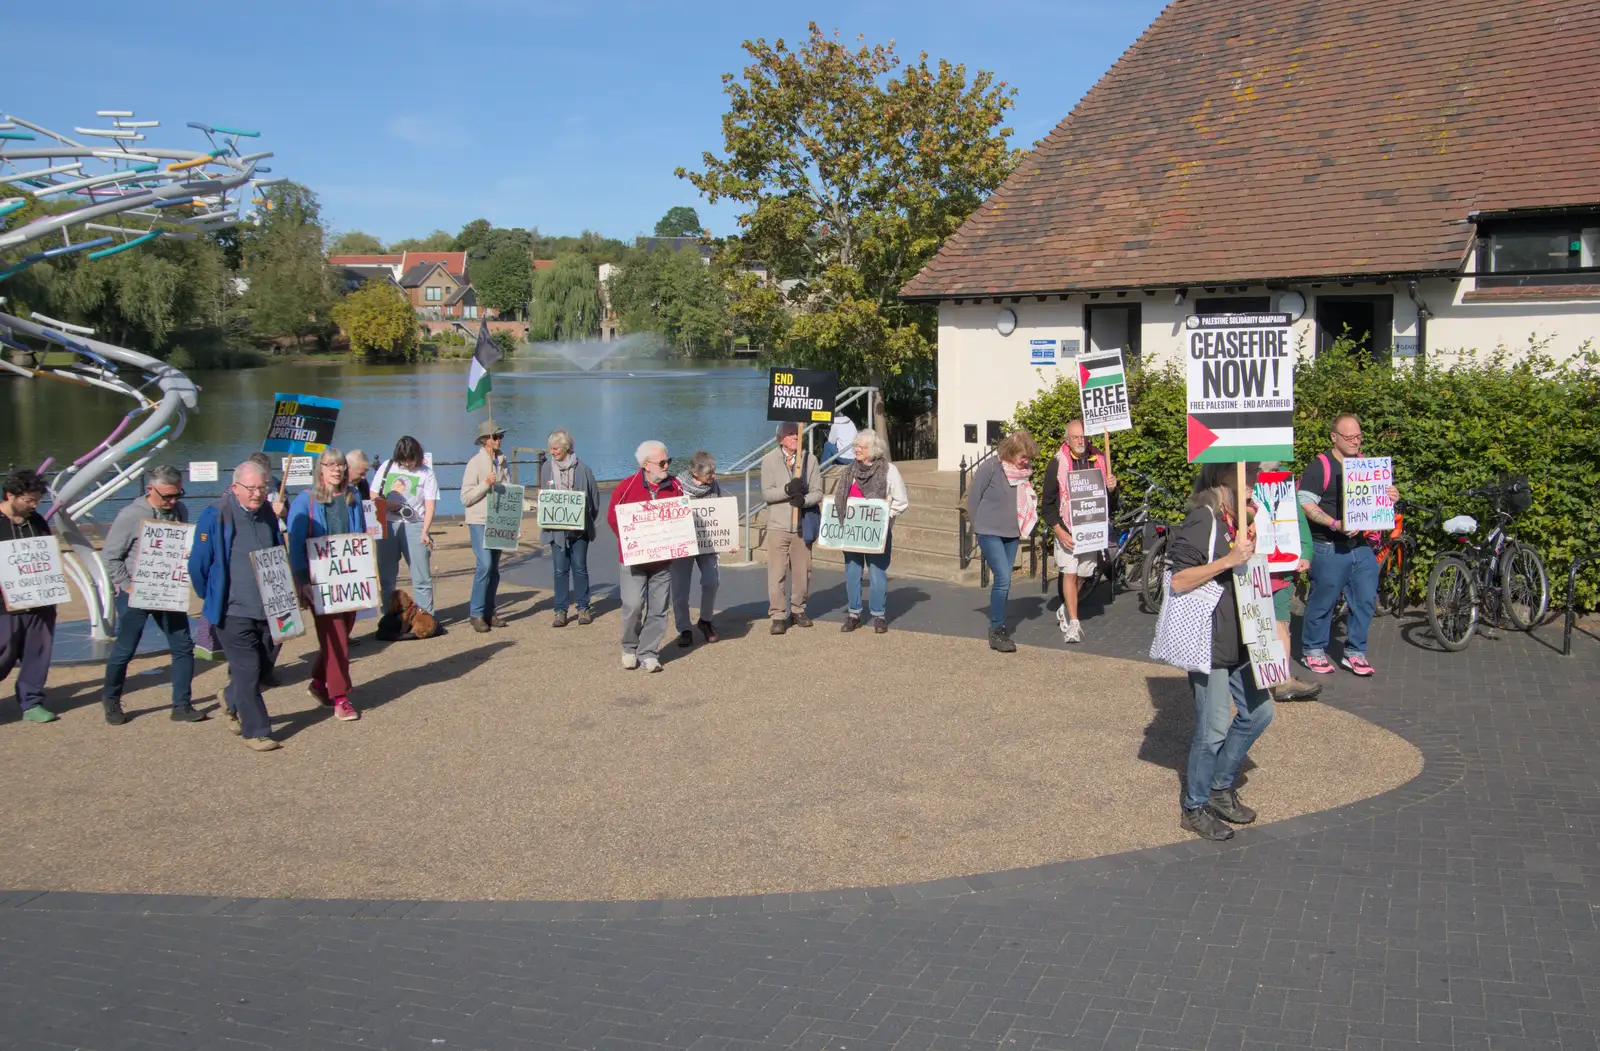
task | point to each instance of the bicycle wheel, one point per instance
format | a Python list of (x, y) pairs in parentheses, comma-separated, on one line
[(1128, 574), (1152, 589), (1452, 602), (1524, 586), (1392, 581)]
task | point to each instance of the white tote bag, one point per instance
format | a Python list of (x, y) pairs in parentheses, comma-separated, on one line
[(1183, 628)]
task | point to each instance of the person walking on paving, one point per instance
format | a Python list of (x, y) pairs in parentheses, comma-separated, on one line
[(162, 502), (1341, 561), (409, 510), (485, 473), (1230, 710), (787, 488), (569, 548), (329, 508), (869, 475), (699, 482), (223, 576), (646, 588), (1003, 508), (27, 636), (1075, 454)]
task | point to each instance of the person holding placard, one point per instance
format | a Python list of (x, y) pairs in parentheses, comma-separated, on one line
[(790, 482), (1075, 454), (329, 508), (1342, 560), (647, 587), (485, 471), (569, 548), (1003, 508), (869, 475), (699, 482), (224, 577), (162, 502), (409, 491), (27, 636)]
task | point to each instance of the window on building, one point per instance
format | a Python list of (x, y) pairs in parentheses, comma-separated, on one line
[(1562, 251), (1114, 328), (435, 295), (472, 313)]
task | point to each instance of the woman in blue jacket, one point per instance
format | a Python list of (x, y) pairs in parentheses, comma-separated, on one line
[(331, 507)]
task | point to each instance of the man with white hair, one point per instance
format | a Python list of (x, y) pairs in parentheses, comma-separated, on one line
[(646, 588)]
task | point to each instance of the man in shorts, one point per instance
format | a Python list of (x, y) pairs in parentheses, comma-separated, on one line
[(1075, 454)]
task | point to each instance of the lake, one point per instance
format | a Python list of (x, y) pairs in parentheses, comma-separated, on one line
[(609, 411)]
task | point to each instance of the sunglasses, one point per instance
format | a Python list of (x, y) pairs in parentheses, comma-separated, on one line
[(167, 496)]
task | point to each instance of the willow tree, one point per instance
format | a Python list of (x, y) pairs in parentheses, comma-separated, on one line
[(566, 301)]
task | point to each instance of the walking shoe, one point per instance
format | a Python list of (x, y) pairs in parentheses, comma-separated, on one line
[(262, 744), (1203, 823), (344, 711), (650, 664), (685, 639), (707, 630), (1061, 618), (187, 714), (1319, 664), (39, 714), (801, 620), (1073, 632), (1296, 690), (629, 661), (880, 626), (852, 621), (479, 625), (779, 626), (320, 692), (1000, 641), (1358, 664), (232, 724), (1224, 803), (561, 619), (497, 621), (585, 617), (113, 711)]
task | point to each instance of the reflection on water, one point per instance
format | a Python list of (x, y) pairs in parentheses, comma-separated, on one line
[(608, 411)]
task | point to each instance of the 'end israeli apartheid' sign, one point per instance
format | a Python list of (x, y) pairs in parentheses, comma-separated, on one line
[(1088, 511), (1103, 390), (802, 395), (161, 567), (31, 574), (301, 424), (865, 527), (562, 509), (1240, 387), (344, 573)]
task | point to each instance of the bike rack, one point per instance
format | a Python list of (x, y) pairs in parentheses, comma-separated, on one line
[(1572, 597)]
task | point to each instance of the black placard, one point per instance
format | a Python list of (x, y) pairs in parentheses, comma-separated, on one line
[(802, 395)]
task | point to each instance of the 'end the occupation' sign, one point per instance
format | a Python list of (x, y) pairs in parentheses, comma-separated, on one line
[(802, 395)]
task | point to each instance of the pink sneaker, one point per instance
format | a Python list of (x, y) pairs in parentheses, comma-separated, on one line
[(1321, 665), (345, 711), (1357, 664), (320, 692)]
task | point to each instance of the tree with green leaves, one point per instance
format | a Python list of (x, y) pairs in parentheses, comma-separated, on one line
[(504, 279), (438, 241), (676, 295), (681, 221), (566, 300), (379, 321), (472, 235), (289, 290), (354, 242), (854, 168)]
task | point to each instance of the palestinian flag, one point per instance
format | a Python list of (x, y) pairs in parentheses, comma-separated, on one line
[(1229, 437), (479, 382), (1100, 372)]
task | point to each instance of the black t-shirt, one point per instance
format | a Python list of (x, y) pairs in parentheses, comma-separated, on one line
[(1187, 549), (1323, 479)]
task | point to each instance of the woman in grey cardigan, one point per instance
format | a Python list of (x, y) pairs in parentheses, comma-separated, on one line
[(569, 548), (1003, 508)]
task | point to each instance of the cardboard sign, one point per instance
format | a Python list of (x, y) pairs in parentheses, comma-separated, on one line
[(1252, 590), (716, 525), (275, 581), (344, 572), (377, 525), (656, 530), (31, 574), (502, 526), (1277, 520), (301, 424), (1240, 387), (299, 470), (802, 395), (562, 508), (865, 527), (1366, 492), (161, 567), (1088, 511), (1103, 390), (202, 470)]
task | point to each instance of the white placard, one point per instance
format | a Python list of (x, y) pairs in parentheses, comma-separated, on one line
[(275, 581), (1252, 590), (1240, 387), (31, 575), (1088, 515), (161, 567), (1366, 492), (1103, 393), (716, 525), (562, 508), (202, 470), (865, 528), (375, 521), (344, 573), (1278, 520), (299, 470), (656, 530), (502, 526)]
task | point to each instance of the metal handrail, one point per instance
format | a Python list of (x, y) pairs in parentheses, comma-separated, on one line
[(1572, 597)]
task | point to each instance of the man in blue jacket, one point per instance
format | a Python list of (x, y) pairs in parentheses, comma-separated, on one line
[(223, 576)]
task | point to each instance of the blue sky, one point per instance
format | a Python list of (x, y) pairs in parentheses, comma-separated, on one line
[(411, 115)]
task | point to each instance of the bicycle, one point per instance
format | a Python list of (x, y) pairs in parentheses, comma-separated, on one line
[(1499, 577), (1134, 568)]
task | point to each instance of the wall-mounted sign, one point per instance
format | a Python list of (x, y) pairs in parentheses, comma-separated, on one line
[(1042, 352)]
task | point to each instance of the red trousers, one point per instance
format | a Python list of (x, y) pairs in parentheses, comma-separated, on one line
[(331, 669)]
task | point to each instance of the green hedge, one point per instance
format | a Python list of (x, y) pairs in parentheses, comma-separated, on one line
[(1448, 429)]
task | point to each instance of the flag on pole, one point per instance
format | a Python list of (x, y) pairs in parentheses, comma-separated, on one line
[(479, 383)]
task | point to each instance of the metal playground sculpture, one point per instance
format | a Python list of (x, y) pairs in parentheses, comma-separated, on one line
[(104, 197)]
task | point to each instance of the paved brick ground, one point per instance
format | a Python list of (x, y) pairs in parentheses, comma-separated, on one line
[(1455, 912)]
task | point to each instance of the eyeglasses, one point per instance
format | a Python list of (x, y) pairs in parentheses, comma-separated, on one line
[(167, 496), (1352, 438), (659, 463), (334, 467), (260, 490)]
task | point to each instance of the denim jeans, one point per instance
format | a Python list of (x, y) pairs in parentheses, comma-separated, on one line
[(877, 570), (405, 538), (1230, 712), (485, 577), (1354, 572), (570, 555), (1001, 554), (130, 625), (682, 575)]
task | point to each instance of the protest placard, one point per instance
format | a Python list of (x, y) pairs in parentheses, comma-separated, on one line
[(344, 572), (1103, 392), (1088, 511), (299, 470), (202, 470), (716, 525), (1278, 520), (1366, 492), (1252, 590), (802, 395), (865, 527), (502, 526), (1240, 387), (301, 424), (377, 525), (161, 567), (656, 530), (31, 573), (562, 508), (276, 584)]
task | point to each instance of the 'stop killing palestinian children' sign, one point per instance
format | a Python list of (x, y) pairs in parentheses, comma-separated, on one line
[(802, 395), (1241, 387)]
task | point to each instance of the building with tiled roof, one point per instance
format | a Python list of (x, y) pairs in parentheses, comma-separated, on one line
[(1426, 173)]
